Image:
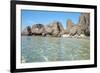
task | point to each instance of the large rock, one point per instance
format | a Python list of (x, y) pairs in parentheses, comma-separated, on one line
[(38, 29), (54, 29), (57, 28), (48, 30), (27, 31), (84, 22)]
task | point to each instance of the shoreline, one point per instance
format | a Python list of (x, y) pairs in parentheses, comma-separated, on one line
[(72, 37)]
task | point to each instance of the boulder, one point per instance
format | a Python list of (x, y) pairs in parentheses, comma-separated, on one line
[(27, 31), (48, 30), (38, 29), (57, 28)]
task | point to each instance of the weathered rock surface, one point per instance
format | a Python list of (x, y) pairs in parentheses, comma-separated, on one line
[(75, 30), (84, 22), (48, 30), (37, 29), (56, 28), (59, 28)]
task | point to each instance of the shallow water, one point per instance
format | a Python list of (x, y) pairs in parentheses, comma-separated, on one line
[(44, 49)]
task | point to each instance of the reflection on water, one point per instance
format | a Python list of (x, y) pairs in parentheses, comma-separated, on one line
[(43, 49)]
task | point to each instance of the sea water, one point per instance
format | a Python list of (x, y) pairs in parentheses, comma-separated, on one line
[(47, 49)]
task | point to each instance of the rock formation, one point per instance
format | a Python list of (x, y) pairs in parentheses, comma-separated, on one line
[(71, 28), (75, 30), (69, 25), (83, 26), (37, 29), (48, 31), (84, 22), (56, 29), (53, 29), (29, 30)]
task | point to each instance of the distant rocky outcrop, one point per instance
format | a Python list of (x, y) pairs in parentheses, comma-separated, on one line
[(53, 29), (72, 29), (69, 24), (56, 29), (83, 26)]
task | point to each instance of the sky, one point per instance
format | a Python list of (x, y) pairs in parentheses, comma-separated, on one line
[(30, 17)]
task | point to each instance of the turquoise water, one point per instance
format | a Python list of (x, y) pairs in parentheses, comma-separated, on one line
[(46, 49)]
